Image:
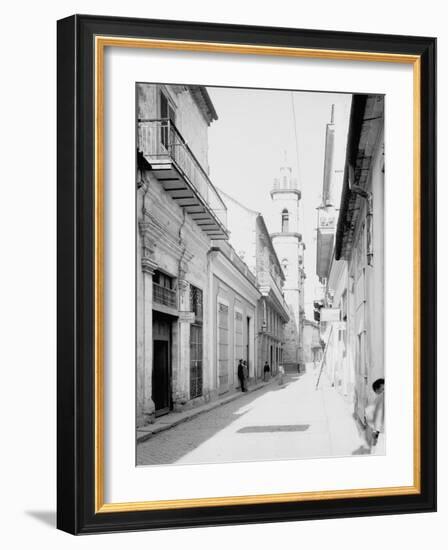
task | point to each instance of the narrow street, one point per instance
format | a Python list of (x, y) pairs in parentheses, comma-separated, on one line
[(278, 422)]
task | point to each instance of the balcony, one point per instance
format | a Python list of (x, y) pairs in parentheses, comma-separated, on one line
[(164, 296), (181, 175)]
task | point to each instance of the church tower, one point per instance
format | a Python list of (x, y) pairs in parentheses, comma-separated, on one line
[(287, 241)]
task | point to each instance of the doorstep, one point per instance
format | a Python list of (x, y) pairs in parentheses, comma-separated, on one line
[(174, 418)]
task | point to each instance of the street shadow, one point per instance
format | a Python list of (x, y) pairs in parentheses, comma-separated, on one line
[(169, 446), (48, 517), (273, 429)]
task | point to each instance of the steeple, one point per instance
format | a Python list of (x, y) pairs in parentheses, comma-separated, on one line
[(287, 241), (285, 180)]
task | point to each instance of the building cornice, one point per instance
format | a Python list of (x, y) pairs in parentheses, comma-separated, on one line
[(203, 101), (281, 308), (365, 127), (286, 191), (267, 241)]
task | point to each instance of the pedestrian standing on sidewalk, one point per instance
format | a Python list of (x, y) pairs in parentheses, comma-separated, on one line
[(241, 376), (246, 374), (266, 370), (281, 374), (378, 443)]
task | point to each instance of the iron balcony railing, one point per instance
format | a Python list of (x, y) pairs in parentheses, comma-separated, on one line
[(164, 296), (159, 138)]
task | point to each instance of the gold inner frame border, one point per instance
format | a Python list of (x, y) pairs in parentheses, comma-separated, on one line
[(101, 42)]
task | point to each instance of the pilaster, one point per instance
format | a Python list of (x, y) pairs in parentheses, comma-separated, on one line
[(145, 404), (181, 378)]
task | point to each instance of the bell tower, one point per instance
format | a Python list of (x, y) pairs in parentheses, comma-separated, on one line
[(287, 241)]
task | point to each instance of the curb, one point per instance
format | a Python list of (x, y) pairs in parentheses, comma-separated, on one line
[(194, 413)]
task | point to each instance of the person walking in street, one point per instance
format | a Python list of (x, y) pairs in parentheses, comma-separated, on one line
[(246, 374), (281, 375), (377, 418), (241, 376), (266, 370)]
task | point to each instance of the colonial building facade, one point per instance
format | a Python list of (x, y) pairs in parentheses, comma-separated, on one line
[(354, 354), (186, 273), (214, 286), (233, 310), (254, 244), (312, 347), (273, 309)]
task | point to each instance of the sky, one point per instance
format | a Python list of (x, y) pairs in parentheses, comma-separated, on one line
[(248, 143)]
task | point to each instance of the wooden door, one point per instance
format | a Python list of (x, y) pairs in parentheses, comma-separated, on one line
[(160, 384), (161, 371)]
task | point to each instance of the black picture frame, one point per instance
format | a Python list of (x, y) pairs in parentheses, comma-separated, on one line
[(76, 511)]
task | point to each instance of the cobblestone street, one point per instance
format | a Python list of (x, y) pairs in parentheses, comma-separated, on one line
[(277, 422)]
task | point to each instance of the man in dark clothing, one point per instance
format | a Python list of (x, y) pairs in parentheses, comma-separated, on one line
[(241, 375), (266, 370)]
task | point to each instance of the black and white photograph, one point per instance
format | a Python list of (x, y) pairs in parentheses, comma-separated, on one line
[(259, 274), (222, 235)]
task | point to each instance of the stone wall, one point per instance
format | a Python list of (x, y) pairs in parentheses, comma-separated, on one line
[(176, 246)]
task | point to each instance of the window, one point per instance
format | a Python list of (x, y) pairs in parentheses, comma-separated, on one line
[(223, 346), (163, 290), (162, 280), (166, 108), (196, 343), (239, 348), (168, 116), (285, 221), (195, 361), (196, 303)]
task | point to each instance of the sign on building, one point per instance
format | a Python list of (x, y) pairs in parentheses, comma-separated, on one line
[(329, 314)]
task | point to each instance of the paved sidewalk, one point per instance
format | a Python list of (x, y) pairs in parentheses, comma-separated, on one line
[(274, 423), (175, 418)]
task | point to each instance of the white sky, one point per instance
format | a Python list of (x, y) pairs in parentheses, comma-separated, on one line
[(247, 146)]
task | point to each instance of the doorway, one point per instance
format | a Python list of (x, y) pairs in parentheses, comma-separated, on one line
[(161, 364), (160, 373), (248, 356)]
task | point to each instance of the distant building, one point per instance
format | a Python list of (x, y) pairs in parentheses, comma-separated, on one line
[(312, 348), (234, 301), (333, 283), (274, 314), (288, 244), (250, 238)]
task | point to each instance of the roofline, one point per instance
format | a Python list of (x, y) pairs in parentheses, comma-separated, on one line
[(210, 112), (358, 107), (252, 283), (271, 245)]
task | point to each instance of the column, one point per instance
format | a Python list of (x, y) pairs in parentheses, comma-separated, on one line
[(181, 375), (145, 253)]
